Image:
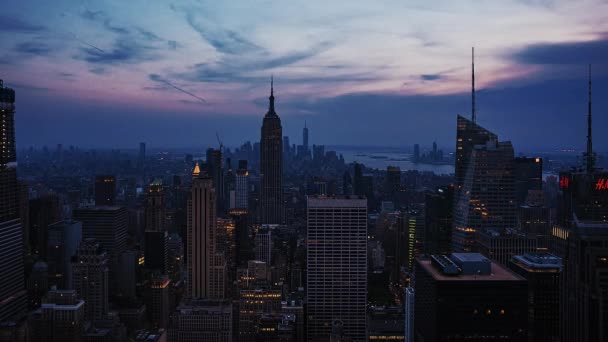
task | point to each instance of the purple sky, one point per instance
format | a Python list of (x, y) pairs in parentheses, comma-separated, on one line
[(113, 73)]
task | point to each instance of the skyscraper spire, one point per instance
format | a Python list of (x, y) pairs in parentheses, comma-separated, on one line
[(271, 98), (474, 116), (590, 157)]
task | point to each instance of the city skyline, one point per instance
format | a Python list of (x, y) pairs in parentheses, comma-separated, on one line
[(104, 76)]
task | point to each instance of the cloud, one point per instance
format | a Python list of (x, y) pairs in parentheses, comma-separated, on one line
[(431, 77), (33, 48), (223, 40), (149, 36), (568, 53), (14, 24), (124, 51)]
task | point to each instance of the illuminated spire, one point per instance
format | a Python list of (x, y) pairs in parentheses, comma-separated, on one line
[(590, 156), (474, 116), (197, 170)]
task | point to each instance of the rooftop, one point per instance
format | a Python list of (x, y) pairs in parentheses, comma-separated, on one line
[(321, 201), (498, 273)]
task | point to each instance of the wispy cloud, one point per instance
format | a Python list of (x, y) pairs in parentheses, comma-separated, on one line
[(33, 48), (222, 39), (123, 51), (14, 24)]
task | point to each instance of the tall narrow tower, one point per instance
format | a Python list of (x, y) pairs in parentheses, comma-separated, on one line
[(589, 155), (305, 139), (271, 166), (12, 293), (473, 113)]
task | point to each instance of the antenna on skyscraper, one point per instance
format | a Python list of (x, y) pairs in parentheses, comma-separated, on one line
[(590, 157), (219, 141), (473, 84)]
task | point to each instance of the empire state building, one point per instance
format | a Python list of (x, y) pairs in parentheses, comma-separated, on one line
[(271, 167)]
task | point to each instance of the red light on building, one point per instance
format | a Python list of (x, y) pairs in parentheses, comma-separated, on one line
[(602, 184), (564, 182)]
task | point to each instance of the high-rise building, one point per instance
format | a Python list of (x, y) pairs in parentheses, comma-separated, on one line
[(242, 186), (337, 266), (105, 190), (263, 245), (108, 226), (528, 175), (216, 172), (409, 314), (393, 181), (501, 247), (271, 167), (205, 276), (60, 318), (468, 135), (438, 211), (486, 199), (63, 240), (159, 308), (156, 236), (543, 272), (466, 297), (90, 276), (305, 139), (201, 321), (44, 211), (583, 237), (253, 304), (12, 291)]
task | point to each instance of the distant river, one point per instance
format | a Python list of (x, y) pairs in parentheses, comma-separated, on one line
[(381, 157)]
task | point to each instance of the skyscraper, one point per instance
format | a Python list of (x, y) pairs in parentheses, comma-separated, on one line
[(584, 233), (216, 172), (271, 166), (204, 264), (337, 266), (12, 292), (63, 240), (486, 199), (305, 139), (105, 190), (263, 245), (141, 158), (60, 318), (108, 226), (156, 236), (242, 186), (90, 273), (543, 272), (468, 134), (466, 297)]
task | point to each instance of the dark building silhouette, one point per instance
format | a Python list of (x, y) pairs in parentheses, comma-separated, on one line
[(156, 236), (271, 167), (43, 212), (528, 176), (581, 240), (543, 272), (12, 292), (61, 318), (305, 139), (105, 190), (466, 297), (216, 172), (438, 218)]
